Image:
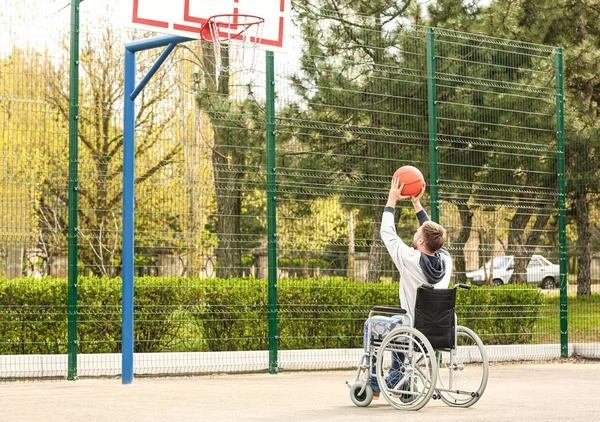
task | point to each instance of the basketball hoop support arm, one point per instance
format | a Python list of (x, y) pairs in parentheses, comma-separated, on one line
[(131, 92)]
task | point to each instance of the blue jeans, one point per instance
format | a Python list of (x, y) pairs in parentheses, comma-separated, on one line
[(395, 374)]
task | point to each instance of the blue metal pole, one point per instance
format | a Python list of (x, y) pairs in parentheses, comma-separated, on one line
[(152, 71), (128, 219), (131, 92), (159, 41)]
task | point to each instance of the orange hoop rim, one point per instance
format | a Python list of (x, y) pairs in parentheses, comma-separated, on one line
[(219, 22)]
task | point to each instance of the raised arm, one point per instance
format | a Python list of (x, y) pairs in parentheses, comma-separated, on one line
[(421, 213), (393, 243), (395, 246)]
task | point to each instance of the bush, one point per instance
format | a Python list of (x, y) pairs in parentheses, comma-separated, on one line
[(33, 316), (328, 312), (232, 315), (192, 314), (500, 315)]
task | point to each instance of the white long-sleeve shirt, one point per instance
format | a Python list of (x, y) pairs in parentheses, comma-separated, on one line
[(407, 260)]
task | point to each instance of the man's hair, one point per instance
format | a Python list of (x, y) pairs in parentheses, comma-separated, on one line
[(434, 235)]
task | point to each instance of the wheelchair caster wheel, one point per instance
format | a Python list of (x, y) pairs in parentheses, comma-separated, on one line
[(364, 399)]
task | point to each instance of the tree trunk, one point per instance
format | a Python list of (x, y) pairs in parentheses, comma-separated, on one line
[(229, 207), (515, 242), (190, 152), (376, 253), (583, 243), (524, 249), (351, 245), (466, 222), (227, 162), (541, 221)]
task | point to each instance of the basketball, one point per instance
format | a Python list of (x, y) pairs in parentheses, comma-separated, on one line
[(412, 179)]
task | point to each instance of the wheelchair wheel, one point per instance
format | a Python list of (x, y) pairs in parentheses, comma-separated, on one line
[(406, 370), (361, 399), (463, 371)]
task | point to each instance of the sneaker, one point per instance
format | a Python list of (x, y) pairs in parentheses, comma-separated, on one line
[(376, 395)]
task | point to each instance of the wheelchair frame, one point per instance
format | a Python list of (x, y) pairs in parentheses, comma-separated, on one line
[(421, 368)]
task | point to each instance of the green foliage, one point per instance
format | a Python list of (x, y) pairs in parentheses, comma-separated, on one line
[(574, 27), (501, 315), (232, 314), (192, 314), (33, 316), (328, 312)]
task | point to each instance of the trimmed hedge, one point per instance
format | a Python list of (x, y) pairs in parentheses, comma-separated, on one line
[(192, 314), (501, 315)]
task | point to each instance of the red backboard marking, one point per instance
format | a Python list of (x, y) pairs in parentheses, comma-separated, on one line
[(186, 14), (282, 6), (186, 9), (234, 25), (235, 17), (188, 18), (275, 43), (144, 21), (187, 28)]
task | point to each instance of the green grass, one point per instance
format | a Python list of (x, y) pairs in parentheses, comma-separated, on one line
[(583, 317)]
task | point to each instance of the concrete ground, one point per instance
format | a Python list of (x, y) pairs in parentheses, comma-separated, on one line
[(519, 392)]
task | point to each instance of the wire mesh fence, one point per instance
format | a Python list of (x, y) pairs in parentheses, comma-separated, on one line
[(498, 154), (34, 148), (352, 103), (583, 277)]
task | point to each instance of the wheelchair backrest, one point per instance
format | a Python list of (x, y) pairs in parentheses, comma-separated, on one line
[(434, 316)]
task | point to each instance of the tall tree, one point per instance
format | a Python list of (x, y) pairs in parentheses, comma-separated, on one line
[(574, 25), (31, 133), (524, 174), (363, 86), (101, 140), (236, 131)]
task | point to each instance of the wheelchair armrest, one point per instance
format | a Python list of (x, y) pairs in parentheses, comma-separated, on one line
[(388, 310)]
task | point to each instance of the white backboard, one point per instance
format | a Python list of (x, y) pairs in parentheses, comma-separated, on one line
[(186, 17)]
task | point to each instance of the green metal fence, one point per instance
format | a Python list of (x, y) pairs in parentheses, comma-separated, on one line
[(281, 174), (499, 148)]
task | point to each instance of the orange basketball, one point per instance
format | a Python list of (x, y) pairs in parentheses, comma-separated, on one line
[(412, 179)]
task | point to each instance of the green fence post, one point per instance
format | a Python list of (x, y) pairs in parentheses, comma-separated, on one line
[(271, 217), (73, 197), (432, 119), (562, 213)]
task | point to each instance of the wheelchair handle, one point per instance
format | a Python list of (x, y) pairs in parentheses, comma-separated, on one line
[(463, 286)]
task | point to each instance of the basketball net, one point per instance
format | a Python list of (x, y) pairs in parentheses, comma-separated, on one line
[(246, 33)]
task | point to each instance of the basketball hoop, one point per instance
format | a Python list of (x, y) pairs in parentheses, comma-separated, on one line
[(246, 33)]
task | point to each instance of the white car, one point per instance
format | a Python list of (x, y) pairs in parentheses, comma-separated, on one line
[(540, 271)]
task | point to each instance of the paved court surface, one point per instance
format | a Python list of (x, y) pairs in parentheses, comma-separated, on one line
[(565, 391)]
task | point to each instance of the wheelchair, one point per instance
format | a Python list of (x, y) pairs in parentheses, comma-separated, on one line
[(430, 357)]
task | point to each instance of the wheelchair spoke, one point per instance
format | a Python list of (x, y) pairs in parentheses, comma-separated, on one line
[(406, 371)]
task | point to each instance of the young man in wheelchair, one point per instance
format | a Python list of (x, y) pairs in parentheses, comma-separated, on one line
[(425, 262)]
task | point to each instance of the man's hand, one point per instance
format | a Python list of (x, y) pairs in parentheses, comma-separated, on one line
[(395, 193), (416, 200)]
